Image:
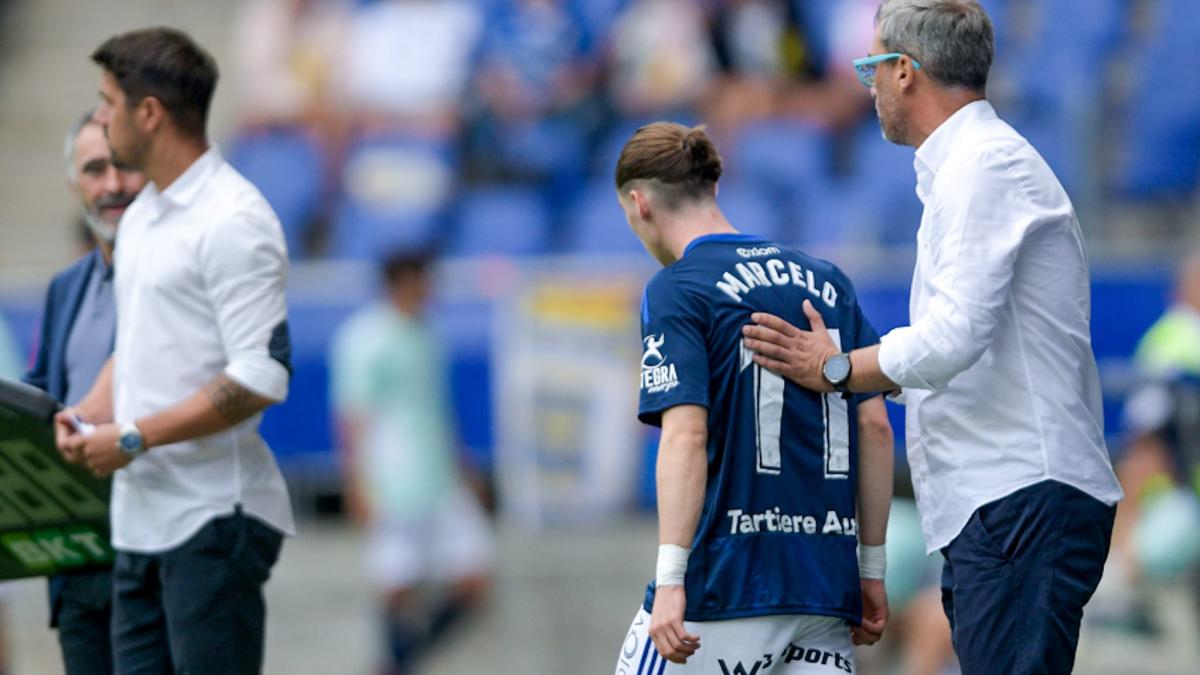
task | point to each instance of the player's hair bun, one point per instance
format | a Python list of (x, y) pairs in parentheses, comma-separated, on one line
[(681, 159), (702, 155)]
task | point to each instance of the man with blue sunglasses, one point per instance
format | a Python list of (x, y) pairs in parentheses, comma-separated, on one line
[(1005, 430)]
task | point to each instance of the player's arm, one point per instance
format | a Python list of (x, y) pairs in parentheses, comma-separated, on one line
[(875, 466), (681, 472)]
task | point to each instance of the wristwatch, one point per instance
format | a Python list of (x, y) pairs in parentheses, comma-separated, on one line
[(130, 440), (836, 371)]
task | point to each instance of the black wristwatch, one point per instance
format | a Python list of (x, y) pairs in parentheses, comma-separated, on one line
[(836, 371)]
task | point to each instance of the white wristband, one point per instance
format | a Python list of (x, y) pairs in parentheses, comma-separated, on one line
[(872, 561), (672, 565)]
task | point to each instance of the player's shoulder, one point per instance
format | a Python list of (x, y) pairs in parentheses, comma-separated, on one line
[(672, 290), (824, 269)]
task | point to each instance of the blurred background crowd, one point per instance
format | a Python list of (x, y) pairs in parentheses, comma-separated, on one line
[(488, 130)]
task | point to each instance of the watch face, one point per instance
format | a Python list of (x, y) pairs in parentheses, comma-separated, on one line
[(837, 368), (129, 443)]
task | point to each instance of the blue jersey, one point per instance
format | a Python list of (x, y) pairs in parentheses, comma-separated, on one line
[(777, 533)]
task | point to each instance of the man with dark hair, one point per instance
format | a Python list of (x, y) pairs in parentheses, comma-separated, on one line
[(1005, 429), (182, 77), (425, 529), (199, 507), (76, 339)]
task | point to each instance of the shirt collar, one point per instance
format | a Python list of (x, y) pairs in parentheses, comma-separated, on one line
[(184, 189), (932, 154)]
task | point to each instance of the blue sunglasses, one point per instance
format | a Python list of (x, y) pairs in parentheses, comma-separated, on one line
[(865, 67)]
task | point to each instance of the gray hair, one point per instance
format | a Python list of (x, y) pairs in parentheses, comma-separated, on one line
[(72, 138), (951, 39)]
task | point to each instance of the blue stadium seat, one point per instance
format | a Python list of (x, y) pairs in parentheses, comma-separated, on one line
[(785, 158), (363, 233), (395, 191), (748, 209), (553, 148), (1069, 46), (289, 170), (879, 194), (816, 19), (501, 221), (1160, 158), (598, 17), (595, 223)]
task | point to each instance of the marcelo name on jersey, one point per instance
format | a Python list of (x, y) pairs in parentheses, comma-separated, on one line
[(751, 274)]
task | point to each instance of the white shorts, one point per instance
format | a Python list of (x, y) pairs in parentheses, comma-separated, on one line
[(758, 645), (453, 542)]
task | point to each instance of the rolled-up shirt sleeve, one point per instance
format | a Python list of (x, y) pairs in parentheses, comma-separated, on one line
[(245, 272), (977, 219)]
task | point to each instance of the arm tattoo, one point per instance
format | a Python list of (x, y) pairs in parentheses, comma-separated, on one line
[(233, 401)]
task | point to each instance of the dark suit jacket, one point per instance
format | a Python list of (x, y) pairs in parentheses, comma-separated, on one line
[(49, 373)]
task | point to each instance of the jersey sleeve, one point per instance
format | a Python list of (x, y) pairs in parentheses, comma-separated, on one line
[(674, 364)]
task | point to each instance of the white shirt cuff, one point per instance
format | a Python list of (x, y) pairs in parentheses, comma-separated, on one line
[(892, 361), (265, 377)]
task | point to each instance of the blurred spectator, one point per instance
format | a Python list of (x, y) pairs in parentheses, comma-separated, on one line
[(534, 99), (662, 61), (429, 544), (285, 55), (292, 133), (408, 63), (780, 57), (1158, 527), (1173, 342)]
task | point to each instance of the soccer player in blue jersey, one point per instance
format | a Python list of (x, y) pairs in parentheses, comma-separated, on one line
[(765, 489)]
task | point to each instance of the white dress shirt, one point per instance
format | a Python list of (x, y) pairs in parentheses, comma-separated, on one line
[(1000, 382), (200, 272)]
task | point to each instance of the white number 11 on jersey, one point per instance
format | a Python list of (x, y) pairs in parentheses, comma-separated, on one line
[(768, 420)]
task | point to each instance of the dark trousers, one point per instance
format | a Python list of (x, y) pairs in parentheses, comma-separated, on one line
[(1017, 577), (81, 609), (197, 608)]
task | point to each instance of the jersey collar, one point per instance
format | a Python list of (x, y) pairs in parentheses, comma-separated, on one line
[(727, 237)]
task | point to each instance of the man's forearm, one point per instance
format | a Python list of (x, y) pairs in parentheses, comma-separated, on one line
[(682, 471), (865, 374), (220, 405), (875, 466)]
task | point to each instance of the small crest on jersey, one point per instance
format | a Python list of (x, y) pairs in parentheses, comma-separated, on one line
[(658, 376), (653, 356)]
